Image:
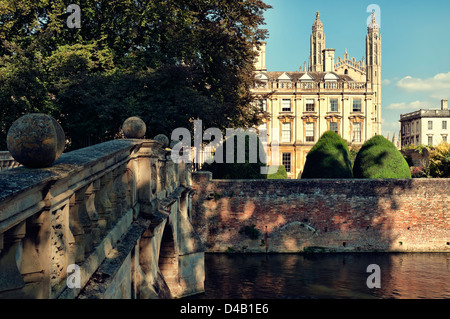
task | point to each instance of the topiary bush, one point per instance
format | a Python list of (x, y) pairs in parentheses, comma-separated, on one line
[(379, 158), (235, 170), (280, 174), (329, 158)]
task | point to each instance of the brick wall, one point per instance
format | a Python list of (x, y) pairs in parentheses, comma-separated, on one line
[(322, 215)]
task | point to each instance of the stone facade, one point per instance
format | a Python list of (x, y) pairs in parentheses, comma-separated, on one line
[(425, 127), (291, 216), (114, 217), (343, 95)]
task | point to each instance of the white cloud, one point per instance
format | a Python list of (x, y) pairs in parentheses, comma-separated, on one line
[(412, 106), (386, 82), (438, 86)]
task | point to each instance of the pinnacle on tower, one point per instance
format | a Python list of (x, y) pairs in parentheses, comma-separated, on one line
[(373, 23)]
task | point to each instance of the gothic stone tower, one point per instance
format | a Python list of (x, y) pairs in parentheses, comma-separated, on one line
[(317, 46), (373, 56)]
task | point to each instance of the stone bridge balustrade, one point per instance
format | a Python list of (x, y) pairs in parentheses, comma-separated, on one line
[(7, 161), (119, 210)]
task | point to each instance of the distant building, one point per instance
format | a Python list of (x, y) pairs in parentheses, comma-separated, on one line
[(425, 127), (341, 95)]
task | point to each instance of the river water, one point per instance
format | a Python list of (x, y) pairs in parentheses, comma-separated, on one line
[(325, 276)]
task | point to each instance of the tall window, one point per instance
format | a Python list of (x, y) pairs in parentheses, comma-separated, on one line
[(357, 132), (430, 125), (310, 105), (357, 105), (333, 105), (334, 127), (286, 105), (263, 105), (310, 132), (286, 133), (444, 125), (286, 161), (430, 140)]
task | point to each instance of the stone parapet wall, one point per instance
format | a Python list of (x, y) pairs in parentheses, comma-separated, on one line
[(92, 226), (291, 216)]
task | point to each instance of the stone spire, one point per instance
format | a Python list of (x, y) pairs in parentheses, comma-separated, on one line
[(373, 23), (317, 46), (317, 25)]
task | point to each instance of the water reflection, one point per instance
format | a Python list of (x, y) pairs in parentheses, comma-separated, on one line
[(320, 276)]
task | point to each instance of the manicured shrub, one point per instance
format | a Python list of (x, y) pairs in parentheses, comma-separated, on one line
[(329, 158), (379, 158), (280, 174), (235, 170)]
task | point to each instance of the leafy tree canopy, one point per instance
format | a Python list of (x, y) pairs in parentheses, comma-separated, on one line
[(168, 61)]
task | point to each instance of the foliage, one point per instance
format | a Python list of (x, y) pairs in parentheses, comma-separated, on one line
[(280, 174), (379, 158), (329, 158), (249, 169), (440, 161), (179, 60)]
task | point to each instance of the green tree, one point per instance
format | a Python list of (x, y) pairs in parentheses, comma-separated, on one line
[(130, 44), (379, 158), (440, 161), (329, 158)]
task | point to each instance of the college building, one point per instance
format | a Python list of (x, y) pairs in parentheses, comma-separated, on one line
[(425, 127), (338, 94)]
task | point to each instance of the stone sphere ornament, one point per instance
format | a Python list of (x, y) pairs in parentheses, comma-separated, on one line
[(134, 127), (164, 140), (36, 140)]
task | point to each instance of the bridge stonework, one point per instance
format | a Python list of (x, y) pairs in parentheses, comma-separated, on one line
[(108, 221)]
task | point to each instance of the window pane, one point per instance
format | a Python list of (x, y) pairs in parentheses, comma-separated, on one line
[(357, 132), (310, 106), (430, 125), (430, 140), (334, 127), (334, 105), (286, 105), (263, 105), (310, 132), (356, 105), (444, 125), (286, 161), (286, 133)]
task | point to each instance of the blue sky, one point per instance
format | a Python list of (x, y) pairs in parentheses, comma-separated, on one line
[(415, 46)]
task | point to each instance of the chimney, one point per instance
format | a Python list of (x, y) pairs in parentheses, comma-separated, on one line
[(444, 104), (328, 55)]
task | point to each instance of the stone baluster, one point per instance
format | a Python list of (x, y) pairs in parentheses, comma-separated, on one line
[(80, 220), (103, 204), (35, 267), (92, 211), (77, 249), (11, 281)]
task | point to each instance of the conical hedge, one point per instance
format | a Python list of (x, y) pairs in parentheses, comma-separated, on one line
[(329, 158), (379, 158)]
